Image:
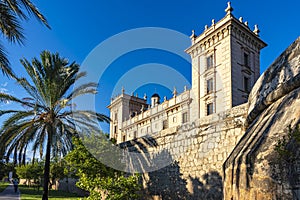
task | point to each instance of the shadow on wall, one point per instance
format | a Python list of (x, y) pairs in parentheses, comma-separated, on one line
[(167, 182)]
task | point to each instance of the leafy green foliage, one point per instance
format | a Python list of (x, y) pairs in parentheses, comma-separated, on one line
[(5, 168), (46, 120), (33, 171), (57, 169), (287, 146), (3, 185), (99, 180)]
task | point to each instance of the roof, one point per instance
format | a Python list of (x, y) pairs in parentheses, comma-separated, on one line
[(155, 95)]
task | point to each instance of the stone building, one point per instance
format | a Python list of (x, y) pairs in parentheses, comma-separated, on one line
[(225, 66), (218, 139)]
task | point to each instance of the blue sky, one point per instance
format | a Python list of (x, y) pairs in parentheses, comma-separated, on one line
[(77, 27)]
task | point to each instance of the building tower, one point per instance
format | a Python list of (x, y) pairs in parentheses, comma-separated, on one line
[(225, 64), (122, 108), (155, 100)]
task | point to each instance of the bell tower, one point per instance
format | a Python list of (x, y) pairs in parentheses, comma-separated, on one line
[(225, 64)]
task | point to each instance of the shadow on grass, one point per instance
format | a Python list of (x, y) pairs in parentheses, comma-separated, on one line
[(3, 185), (32, 194)]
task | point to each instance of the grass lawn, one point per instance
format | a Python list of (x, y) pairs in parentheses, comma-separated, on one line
[(3, 185), (28, 193)]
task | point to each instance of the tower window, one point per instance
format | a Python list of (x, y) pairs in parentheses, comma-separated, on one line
[(246, 60), (116, 116), (210, 108), (165, 124), (209, 61), (174, 119), (115, 129), (184, 117), (124, 138), (246, 84), (210, 85)]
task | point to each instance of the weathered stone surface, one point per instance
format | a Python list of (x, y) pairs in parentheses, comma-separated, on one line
[(282, 77), (253, 170)]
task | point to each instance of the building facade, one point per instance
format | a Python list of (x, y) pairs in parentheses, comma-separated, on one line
[(225, 65)]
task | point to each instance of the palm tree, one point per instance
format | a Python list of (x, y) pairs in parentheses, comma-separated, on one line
[(12, 12), (46, 116)]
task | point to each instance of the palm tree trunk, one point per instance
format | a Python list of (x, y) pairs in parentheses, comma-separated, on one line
[(47, 166)]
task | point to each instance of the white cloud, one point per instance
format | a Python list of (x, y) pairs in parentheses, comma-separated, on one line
[(4, 84), (3, 89)]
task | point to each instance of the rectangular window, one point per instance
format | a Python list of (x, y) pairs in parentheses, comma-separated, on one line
[(246, 84), (116, 116), (210, 108), (165, 124), (134, 134), (184, 117), (209, 61), (115, 129), (246, 60), (210, 85), (124, 138), (174, 119)]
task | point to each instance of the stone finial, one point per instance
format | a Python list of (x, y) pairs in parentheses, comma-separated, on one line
[(142, 108), (241, 19), (145, 96), (132, 94), (136, 95), (123, 90), (165, 98), (193, 34), (205, 27), (213, 22), (174, 92), (246, 23), (185, 88), (229, 9), (256, 30)]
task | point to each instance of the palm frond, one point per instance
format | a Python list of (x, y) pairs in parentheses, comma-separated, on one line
[(3, 112), (10, 25), (7, 97), (4, 63), (16, 6)]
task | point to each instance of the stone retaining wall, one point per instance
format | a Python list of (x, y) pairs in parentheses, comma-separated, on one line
[(188, 158)]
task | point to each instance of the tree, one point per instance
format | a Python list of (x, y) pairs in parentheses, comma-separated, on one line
[(12, 12), (57, 170), (46, 117), (99, 180), (32, 171), (5, 168)]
